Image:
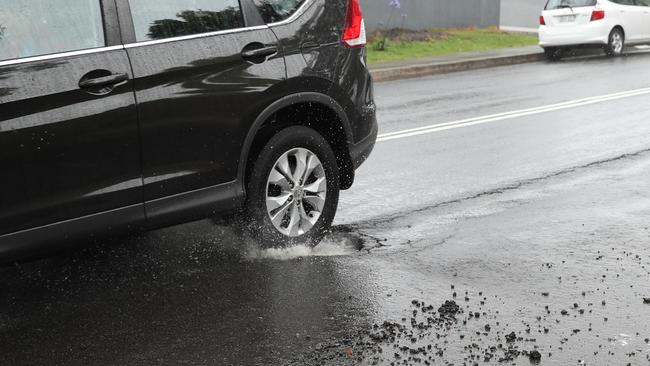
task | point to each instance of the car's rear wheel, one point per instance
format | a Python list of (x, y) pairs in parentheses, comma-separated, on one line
[(616, 43), (293, 190), (553, 53)]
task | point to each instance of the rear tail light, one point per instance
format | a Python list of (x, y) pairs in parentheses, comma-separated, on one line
[(354, 33), (541, 20), (597, 15)]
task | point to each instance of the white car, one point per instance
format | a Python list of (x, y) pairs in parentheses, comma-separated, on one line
[(609, 24)]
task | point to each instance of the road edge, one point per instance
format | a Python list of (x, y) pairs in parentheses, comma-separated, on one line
[(414, 71)]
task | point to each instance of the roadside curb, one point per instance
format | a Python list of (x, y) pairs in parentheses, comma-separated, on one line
[(412, 71)]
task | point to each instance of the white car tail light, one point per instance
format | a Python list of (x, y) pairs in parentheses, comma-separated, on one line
[(354, 33), (542, 21), (597, 15)]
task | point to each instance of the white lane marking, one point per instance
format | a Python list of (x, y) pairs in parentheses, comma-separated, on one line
[(509, 115)]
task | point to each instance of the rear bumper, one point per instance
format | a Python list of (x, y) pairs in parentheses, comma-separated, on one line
[(360, 151), (589, 34)]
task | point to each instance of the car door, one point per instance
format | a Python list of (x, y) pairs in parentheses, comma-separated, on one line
[(644, 11), (631, 18), (68, 130), (203, 71)]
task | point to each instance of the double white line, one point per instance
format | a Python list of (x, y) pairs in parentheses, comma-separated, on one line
[(509, 115)]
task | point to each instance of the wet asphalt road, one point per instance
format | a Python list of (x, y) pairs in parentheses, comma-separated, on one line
[(537, 224)]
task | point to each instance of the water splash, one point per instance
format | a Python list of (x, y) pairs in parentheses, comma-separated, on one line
[(332, 246)]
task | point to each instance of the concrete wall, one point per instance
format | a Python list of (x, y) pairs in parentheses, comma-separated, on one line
[(426, 14)]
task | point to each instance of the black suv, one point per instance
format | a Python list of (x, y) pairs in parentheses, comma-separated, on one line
[(119, 115)]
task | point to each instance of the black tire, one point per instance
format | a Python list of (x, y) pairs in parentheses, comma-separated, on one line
[(613, 48), (553, 54), (256, 219)]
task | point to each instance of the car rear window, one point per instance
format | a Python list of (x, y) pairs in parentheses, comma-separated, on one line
[(41, 27), (277, 10), (558, 4), (160, 19)]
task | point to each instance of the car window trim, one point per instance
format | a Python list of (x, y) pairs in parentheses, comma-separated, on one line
[(57, 55), (112, 33), (293, 16), (252, 16), (195, 36)]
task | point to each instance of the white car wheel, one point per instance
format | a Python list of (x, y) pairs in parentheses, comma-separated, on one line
[(616, 43)]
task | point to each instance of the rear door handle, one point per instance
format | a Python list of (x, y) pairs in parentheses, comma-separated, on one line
[(100, 82), (259, 53)]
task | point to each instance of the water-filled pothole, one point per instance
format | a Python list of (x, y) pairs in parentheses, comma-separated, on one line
[(343, 240)]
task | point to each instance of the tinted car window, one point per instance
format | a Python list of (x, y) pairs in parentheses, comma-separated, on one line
[(277, 10), (643, 2), (39, 27), (159, 19), (556, 4), (624, 2)]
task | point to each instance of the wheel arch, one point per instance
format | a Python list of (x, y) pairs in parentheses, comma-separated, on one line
[(263, 128), (617, 26)]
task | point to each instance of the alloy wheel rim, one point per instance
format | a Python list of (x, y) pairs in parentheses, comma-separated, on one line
[(617, 43), (295, 192)]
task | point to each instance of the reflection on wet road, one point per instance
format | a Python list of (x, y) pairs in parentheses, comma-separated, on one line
[(192, 294), (535, 234)]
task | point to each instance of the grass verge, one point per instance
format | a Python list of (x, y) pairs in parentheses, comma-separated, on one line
[(400, 44)]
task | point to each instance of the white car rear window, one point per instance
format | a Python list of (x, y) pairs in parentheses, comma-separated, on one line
[(558, 4)]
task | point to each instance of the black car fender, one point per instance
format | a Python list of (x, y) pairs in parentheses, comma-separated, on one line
[(284, 102)]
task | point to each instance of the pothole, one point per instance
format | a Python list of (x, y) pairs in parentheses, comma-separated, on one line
[(342, 241)]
